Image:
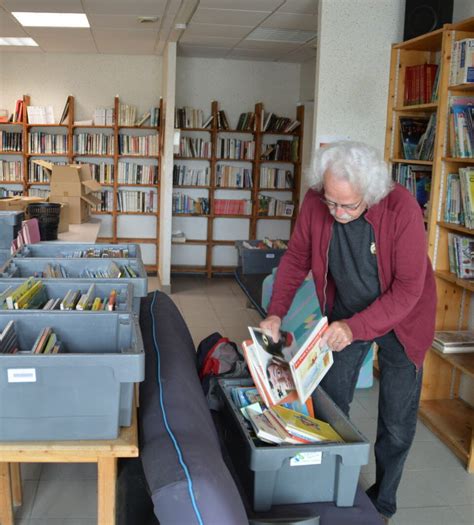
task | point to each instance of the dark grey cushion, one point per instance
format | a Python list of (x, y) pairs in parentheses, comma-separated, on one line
[(189, 419)]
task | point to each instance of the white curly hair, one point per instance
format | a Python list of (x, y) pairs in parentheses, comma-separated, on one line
[(359, 164)]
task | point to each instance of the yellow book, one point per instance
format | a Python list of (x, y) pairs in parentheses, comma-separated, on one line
[(304, 426), (18, 292), (25, 299), (96, 304)]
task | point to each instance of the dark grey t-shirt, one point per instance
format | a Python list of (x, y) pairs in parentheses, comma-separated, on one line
[(353, 267)]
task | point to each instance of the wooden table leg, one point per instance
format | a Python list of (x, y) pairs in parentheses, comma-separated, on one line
[(107, 480), (17, 493), (6, 510)]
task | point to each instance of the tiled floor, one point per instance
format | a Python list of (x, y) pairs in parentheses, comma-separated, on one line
[(435, 488)]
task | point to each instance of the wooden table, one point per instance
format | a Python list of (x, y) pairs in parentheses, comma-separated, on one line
[(104, 453)]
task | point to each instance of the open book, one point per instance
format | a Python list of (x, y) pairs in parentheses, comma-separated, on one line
[(294, 372)]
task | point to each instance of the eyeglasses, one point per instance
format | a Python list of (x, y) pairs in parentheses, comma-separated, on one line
[(348, 207)]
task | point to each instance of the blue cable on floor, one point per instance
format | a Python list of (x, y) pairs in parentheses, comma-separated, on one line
[(165, 420)]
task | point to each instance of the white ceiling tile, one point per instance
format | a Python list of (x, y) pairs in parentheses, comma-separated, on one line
[(302, 54), (121, 22), (67, 45), (124, 41), (218, 30), (246, 5), (202, 51), (125, 7), (292, 21), (211, 41), (309, 7), (228, 17), (261, 44), (60, 33), (44, 6)]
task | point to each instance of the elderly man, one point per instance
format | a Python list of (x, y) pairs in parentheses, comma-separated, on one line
[(363, 238)]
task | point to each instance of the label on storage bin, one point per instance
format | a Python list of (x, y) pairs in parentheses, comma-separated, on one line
[(21, 375), (306, 458), (270, 255)]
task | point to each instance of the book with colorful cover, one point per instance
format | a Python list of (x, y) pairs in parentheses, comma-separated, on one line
[(292, 374)]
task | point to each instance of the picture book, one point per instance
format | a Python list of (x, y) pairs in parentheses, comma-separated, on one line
[(305, 427), (287, 371)]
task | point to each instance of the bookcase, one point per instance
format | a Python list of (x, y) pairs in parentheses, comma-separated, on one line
[(204, 182), (123, 157), (446, 376)]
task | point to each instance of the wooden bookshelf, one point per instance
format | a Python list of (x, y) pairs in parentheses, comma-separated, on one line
[(442, 408), (69, 129), (213, 190)]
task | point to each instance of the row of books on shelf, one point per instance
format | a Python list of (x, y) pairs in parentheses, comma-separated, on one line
[(187, 117), (462, 62), (47, 341), (266, 244), (272, 123), (41, 142), (421, 84), (138, 145), (459, 205), (235, 149), (33, 295), (233, 177), (136, 201), (461, 126), (182, 203), (131, 173), (286, 150), (188, 176), (11, 141), (277, 178), (461, 255), (113, 271), (194, 147), (11, 171), (93, 143), (271, 207), (417, 136), (417, 180), (232, 206)]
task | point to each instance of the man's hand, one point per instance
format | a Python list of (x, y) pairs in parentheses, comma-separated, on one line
[(337, 336), (271, 325)]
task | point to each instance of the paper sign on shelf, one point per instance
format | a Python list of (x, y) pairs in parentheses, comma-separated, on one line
[(306, 458), (21, 375)]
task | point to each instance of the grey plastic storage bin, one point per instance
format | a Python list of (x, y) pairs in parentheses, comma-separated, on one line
[(257, 260), (266, 473), (86, 393), (4, 256), (59, 288), (58, 250), (10, 225), (25, 267)]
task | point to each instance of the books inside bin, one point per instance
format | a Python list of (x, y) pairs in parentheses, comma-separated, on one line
[(47, 341), (285, 373)]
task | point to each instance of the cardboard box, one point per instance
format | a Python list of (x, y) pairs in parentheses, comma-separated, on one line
[(19, 203), (63, 225), (73, 184)]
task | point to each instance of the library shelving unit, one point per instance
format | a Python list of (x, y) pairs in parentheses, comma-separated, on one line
[(222, 230), (114, 151), (445, 376)]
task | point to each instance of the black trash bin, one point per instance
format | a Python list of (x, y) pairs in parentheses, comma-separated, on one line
[(47, 214)]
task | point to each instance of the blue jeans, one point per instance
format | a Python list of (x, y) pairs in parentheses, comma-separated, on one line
[(399, 397)]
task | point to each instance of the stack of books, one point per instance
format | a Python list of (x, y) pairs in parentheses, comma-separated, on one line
[(454, 342)]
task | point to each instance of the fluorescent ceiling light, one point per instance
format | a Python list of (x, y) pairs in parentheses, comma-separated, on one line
[(6, 41), (51, 19), (294, 36)]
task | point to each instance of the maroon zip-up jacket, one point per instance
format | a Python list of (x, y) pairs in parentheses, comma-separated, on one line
[(407, 303)]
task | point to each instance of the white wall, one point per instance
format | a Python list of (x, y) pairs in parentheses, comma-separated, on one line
[(462, 9), (237, 85), (353, 67), (307, 86), (94, 80)]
